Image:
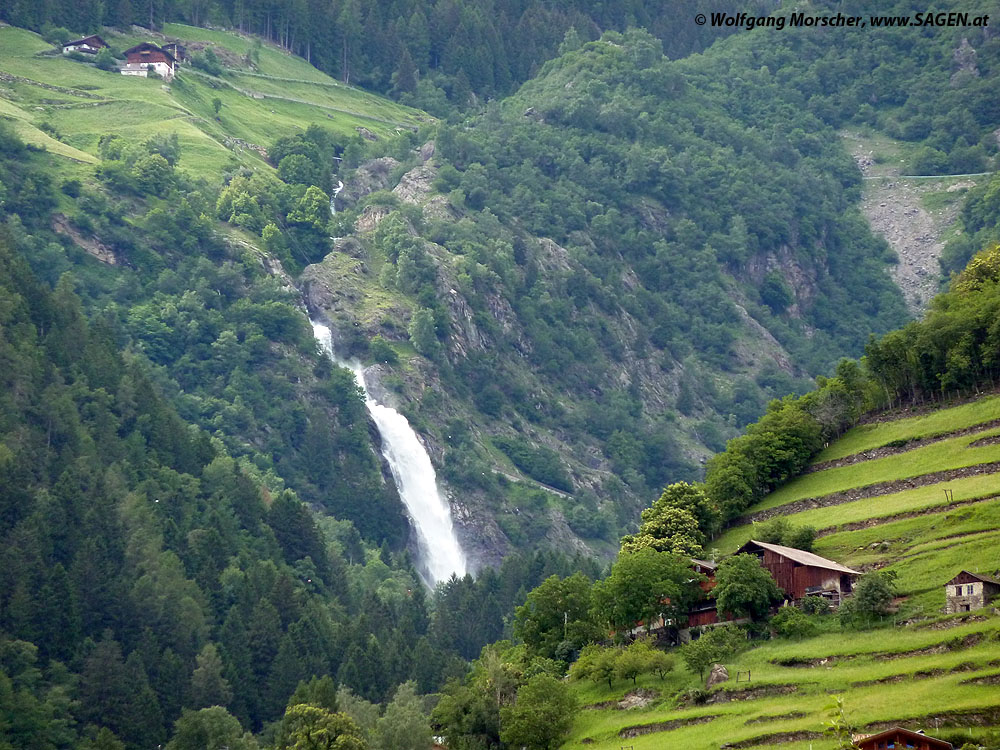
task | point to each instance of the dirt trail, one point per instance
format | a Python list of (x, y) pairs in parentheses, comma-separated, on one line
[(893, 207)]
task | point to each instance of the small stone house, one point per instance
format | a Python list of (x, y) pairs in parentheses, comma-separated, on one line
[(968, 591), (89, 44)]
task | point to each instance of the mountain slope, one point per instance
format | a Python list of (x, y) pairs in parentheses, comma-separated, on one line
[(924, 670), (617, 269)]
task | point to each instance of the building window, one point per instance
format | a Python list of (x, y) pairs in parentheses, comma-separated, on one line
[(968, 589), (958, 591)]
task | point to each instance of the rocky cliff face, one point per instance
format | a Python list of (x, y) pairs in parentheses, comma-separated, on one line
[(495, 502)]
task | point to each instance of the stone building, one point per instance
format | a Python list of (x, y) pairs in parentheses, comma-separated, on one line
[(968, 591)]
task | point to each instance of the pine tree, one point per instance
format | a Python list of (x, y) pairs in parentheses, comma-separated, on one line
[(208, 686)]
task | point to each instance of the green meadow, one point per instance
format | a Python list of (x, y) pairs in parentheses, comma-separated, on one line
[(868, 436), (953, 453), (918, 669), (65, 105)]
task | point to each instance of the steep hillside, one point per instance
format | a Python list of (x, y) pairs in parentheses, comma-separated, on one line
[(915, 495), (138, 235), (67, 105), (604, 312), (921, 669), (916, 214)]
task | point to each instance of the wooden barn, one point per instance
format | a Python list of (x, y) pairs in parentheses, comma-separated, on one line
[(800, 574), (968, 591), (898, 738), (144, 57)]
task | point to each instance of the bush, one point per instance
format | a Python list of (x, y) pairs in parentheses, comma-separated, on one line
[(540, 463), (815, 605), (382, 351), (791, 622), (56, 35), (207, 62), (105, 59), (72, 188)]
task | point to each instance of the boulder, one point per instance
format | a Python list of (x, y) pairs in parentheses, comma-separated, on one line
[(718, 675)]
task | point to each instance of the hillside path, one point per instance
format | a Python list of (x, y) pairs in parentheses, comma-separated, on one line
[(893, 205)]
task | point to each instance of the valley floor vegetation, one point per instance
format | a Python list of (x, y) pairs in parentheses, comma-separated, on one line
[(200, 546)]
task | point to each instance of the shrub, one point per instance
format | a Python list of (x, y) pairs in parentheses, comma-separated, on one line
[(207, 61), (815, 605), (382, 351), (791, 622), (105, 59)]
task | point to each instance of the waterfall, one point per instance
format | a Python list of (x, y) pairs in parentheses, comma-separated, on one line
[(440, 554), (333, 197)]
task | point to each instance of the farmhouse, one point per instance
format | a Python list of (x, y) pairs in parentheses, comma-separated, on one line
[(968, 591), (800, 574), (704, 613), (900, 739), (89, 44), (145, 57)]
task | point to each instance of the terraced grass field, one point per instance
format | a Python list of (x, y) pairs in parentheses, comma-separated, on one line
[(66, 105), (922, 669)]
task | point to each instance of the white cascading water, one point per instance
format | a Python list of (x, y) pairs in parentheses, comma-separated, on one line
[(440, 553)]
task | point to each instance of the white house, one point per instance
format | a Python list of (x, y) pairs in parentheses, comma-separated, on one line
[(89, 44), (142, 58)]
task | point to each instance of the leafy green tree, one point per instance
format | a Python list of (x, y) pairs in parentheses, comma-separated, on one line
[(872, 598), (312, 209), (423, 333), (541, 716), (558, 610), (296, 169), (597, 663), (212, 728), (632, 661), (716, 645), (404, 726), (307, 727), (672, 530), (641, 586), (153, 174), (744, 588), (659, 662)]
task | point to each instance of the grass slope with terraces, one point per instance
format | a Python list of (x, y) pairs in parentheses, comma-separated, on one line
[(922, 670), (66, 105)]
